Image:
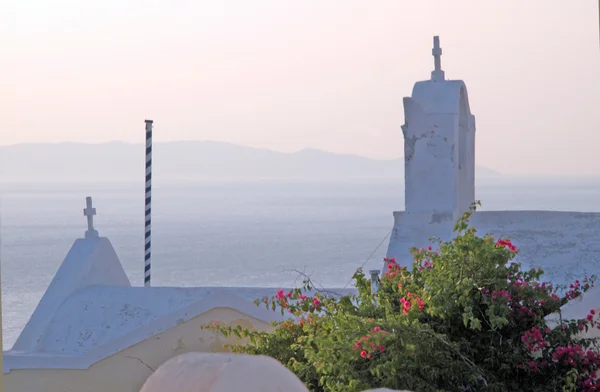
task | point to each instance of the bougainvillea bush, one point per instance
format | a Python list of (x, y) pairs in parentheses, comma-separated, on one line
[(465, 317)]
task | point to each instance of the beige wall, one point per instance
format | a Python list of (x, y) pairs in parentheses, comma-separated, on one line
[(127, 370)]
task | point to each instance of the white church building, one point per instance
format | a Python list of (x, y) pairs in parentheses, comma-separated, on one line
[(439, 161), (92, 331)]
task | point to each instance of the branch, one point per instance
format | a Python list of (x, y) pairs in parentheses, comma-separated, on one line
[(464, 359), (143, 363), (319, 289)]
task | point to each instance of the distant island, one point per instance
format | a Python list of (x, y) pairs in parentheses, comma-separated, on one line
[(187, 161)]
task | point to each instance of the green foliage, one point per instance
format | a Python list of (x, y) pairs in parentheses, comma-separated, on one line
[(463, 318)]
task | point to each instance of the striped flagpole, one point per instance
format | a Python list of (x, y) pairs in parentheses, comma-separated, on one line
[(148, 221)]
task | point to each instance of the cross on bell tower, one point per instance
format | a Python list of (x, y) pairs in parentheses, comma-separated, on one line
[(89, 212), (437, 74)]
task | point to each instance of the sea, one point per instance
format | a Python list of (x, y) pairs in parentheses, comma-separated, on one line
[(244, 233)]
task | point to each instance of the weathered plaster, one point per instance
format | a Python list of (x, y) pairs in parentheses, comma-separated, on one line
[(79, 340), (90, 312), (439, 143), (439, 137), (91, 261), (129, 366), (566, 245)]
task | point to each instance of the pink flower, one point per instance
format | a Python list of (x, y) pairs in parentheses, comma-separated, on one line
[(506, 244), (534, 340), (316, 301), (280, 294), (406, 305)]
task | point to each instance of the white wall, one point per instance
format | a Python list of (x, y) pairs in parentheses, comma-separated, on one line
[(127, 370)]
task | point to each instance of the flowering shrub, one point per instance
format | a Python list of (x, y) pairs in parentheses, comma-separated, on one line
[(465, 317)]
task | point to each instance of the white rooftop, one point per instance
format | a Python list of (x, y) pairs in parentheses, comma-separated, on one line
[(90, 311), (95, 316)]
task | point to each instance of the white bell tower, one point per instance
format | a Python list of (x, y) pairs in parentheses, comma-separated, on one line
[(439, 144)]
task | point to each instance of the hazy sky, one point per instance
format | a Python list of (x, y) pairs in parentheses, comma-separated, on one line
[(284, 75)]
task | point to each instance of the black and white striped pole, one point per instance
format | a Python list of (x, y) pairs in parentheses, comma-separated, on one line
[(148, 214)]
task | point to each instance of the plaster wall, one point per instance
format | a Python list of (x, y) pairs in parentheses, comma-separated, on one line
[(439, 148), (429, 155), (465, 167), (579, 308), (566, 245), (469, 182), (90, 262), (127, 370)]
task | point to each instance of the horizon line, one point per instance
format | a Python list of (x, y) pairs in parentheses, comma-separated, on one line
[(200, 141)]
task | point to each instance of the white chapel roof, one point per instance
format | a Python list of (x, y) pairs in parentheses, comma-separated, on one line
[(98, 315), (96, 322)]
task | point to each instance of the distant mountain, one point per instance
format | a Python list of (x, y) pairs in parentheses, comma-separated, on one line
[(185, 161)]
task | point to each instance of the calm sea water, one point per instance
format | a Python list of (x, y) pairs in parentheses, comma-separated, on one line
[(227, 234)]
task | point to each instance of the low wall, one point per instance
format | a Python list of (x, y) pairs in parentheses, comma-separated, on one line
[(127, 370), (566, 245), (201, 372)]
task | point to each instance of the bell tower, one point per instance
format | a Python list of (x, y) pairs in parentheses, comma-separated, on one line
[(439, 144)]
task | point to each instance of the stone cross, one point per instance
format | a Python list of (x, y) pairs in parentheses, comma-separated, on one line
[(89, 212), (437, 73)]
